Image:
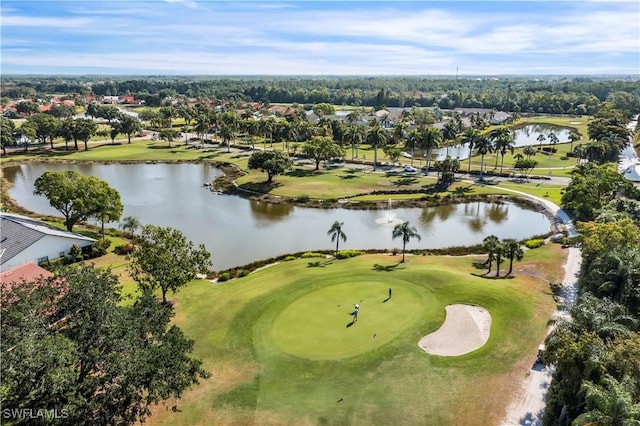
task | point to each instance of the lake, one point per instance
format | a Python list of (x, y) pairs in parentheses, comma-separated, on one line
[(523, 136), (238, 231)]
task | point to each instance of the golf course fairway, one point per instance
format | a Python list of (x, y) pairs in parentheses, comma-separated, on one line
[(280, 353)]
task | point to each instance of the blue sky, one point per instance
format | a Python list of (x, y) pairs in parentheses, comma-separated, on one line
[(205, 37)]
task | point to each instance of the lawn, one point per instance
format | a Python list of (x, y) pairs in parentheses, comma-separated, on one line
[(280, 349)]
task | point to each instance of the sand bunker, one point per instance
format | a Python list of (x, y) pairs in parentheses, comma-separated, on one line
[(465, 329)]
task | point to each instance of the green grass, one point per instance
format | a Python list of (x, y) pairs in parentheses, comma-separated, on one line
[(280, 351)]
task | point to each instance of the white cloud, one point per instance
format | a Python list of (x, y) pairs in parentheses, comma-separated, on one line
[(288, 38), (188, 3)]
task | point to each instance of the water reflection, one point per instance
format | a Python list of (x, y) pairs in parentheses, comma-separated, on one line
[(269, 211), (443, 213), (238, 231), (497, 212)]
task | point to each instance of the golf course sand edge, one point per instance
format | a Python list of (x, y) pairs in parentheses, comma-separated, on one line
[(465, 329)]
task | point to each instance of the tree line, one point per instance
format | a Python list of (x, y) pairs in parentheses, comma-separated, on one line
[(550, 95)]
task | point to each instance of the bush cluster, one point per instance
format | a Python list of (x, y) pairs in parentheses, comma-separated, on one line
[(534, 243), (345, 254)]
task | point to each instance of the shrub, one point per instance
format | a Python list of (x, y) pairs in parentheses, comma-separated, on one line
[(100, 247), (303, 198), (223, 277), (309, 254), (535, 243), (75, 253), (289, 258), (345, 254), (124, 249), (242, 273)]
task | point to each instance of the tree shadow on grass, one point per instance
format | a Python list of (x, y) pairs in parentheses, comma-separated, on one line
[(320, 264), (386, 268), (302, 173), (405, 181), (348, 177), (479, 265), (461, 190), (492, 276)]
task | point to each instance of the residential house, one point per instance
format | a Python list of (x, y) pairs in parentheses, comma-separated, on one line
[(24, 240), (28, 272)]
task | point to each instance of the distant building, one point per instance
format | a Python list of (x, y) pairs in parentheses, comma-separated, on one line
[(25, 240)]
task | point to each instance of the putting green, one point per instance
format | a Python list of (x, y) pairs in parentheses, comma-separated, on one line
[(318, 325)]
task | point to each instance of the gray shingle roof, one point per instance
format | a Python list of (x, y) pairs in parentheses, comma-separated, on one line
[(19, 232)]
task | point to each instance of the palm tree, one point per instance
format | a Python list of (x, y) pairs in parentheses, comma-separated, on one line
[(470, 137), (512, 250), (610, 403), (227, 133), (541, 138), (573, 137), (449, 133), (413, 140), (529, 151), (503, 141), (483, 146), (268, 126), (336, 234), (490, 244), (407, 232), (377, 137), (130, 223), (430, 140), (355, 135)]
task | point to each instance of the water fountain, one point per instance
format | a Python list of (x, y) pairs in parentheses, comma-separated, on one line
[(389, 217)]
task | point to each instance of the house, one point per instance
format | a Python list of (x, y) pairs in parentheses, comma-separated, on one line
[(24, 240), (28, 272)]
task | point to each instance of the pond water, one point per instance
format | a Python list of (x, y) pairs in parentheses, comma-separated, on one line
[(523, 136), (238, 231)]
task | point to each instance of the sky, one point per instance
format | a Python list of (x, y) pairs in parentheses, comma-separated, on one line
[(208, 37)]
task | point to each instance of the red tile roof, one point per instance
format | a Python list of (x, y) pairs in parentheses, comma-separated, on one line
[(25, 273)]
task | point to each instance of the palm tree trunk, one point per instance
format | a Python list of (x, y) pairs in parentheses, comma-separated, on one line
[(337, 242), (469, 167), (375, 156), (403, 246), (510, 265), (481, 166)]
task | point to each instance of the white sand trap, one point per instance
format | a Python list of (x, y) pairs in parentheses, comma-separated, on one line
[(465, 329)]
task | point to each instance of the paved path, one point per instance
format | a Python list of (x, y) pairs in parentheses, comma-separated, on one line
[(528, 406)]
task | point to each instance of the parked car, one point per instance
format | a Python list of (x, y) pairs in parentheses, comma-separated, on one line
[(410, 169)]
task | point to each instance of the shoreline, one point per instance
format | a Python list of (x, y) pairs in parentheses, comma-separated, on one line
[(227, 185)]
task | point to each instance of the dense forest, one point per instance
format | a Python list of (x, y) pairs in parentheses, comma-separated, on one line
[(554, 95)]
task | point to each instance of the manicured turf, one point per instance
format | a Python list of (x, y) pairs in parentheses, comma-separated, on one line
[(280, 351), (319, 325)]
